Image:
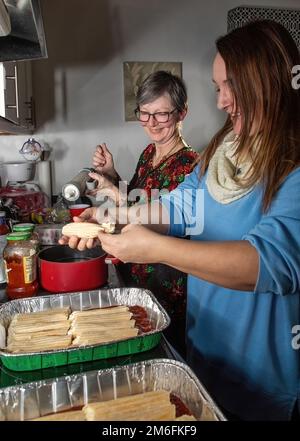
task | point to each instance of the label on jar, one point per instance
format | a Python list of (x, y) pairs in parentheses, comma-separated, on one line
[(3, 242), (29, 267), (3, 270)]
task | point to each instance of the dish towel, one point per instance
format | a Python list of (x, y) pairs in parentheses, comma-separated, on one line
[(224, 175)]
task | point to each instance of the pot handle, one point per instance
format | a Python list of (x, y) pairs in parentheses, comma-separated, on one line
[(109, 259)]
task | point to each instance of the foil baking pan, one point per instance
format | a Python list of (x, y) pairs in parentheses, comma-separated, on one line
[(80, 301), (33, 400)]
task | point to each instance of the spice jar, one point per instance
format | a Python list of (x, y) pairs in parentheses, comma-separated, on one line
[(28, 228), (21, 266)]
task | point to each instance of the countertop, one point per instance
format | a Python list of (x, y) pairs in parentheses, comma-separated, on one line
[(163, 350)]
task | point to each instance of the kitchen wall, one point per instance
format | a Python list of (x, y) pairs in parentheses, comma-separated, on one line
[(79, 88)]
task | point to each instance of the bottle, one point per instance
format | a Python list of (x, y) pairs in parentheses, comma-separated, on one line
[(21, 266), (12, 211), (28, 228), (4, 230), (3, 225)]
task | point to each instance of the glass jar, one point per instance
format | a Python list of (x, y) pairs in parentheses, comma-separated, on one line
[(4, 230), (28, 228), (20, 259)]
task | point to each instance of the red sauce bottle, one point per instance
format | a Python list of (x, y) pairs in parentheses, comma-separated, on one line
[(21, 266)]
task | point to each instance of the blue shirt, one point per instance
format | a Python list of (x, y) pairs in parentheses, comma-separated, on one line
[(240, 342)]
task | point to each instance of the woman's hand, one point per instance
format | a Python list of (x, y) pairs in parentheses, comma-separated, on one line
[(105, 188), (135, 244), (103, 161), (102, 182), (88, 215)]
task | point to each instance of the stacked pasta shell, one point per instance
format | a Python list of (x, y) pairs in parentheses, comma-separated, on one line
[(58, 329), (148, 406), (102, 325), (39, 331)]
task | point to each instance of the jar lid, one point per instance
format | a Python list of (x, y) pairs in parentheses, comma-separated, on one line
[(18, 235), (23, 227)]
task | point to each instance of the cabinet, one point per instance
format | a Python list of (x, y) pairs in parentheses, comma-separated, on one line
[(16, 101)]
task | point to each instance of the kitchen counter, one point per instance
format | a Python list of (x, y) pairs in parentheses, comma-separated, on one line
[(10, 378)]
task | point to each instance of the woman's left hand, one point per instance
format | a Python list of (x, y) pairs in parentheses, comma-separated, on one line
[(102, 184), (89, 215), (135, 244)]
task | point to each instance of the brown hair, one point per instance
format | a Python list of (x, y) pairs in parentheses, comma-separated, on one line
[(157, 84), (259, 59)]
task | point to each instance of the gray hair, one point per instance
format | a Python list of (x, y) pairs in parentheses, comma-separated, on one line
[(157, 84)]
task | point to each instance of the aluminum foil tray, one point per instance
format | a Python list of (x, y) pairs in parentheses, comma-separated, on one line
[(81, 301), (36, 399)]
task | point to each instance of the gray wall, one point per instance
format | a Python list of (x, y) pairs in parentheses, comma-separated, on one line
[(79, 88)]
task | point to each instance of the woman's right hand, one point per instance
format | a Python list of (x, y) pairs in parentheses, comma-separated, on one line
[(103, 161)]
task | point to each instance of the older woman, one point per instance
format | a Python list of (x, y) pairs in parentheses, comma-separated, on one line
[(161, 107)]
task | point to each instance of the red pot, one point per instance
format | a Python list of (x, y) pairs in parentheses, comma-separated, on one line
[(62, 269)]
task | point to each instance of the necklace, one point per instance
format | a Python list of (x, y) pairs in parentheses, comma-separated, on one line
[(171, 152), (151, 169)]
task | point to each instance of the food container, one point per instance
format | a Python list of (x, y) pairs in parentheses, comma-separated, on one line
[(63, 269), (40, 398), (49, 233), (29, 201), (17, 171), (21, 266), (81, 301), (77, 209)]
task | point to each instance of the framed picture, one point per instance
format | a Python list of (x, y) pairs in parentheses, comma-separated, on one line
[(134, 73)]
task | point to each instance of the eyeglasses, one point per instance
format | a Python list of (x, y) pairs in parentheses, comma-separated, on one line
[(160, 117)]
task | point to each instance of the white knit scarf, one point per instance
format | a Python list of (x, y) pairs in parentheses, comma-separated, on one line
[(224, 175)]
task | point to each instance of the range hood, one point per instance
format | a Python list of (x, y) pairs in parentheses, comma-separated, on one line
[(5, 26), (26, 39)]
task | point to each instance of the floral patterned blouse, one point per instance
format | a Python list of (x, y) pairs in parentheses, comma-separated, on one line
[(166, 283)]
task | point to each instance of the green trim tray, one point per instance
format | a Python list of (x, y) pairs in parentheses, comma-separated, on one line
[(83, 301)]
